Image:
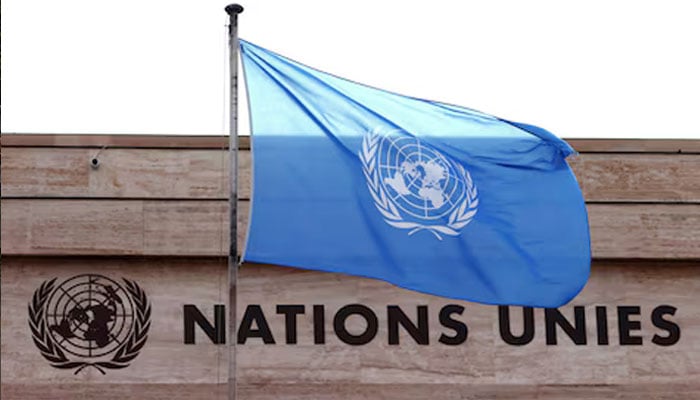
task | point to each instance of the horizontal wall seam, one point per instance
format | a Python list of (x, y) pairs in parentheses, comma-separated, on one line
[(247, 199), (247, 148), (224, 259)]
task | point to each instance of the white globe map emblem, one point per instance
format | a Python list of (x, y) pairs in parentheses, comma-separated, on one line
[(416, 187), (418, 179)]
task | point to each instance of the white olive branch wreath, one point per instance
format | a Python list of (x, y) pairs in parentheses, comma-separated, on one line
[(458, 219)]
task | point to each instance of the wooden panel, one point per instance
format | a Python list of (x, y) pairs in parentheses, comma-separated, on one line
[(638, 177), (114, 227), (42, 172), (82, 391), (645, 231), (123, 173), (72, 227), (182, 226), (158, 173), (404, 391), (677, 146), (482, 367), (152, 227), (112, 141), (216, 142)]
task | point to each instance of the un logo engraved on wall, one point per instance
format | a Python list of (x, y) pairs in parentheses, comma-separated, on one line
[(416, 187), (89, 320)]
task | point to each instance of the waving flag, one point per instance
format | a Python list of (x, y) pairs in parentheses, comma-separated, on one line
[(428, 196)]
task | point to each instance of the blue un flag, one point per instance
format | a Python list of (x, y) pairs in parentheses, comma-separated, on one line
[(425, 195)]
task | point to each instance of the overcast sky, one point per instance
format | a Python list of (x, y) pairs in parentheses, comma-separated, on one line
[(595, 68)]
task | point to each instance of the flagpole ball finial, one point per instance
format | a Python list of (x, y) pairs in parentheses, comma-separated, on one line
[(233, 9)]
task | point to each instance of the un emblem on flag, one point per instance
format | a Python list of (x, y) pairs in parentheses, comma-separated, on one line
[(416, 187)]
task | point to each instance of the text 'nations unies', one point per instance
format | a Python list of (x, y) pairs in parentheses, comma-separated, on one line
[(591, 326)]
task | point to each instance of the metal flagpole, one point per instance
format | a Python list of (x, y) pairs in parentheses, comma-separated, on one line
[(233, 10)]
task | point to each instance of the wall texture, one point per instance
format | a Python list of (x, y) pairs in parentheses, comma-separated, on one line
[(155, 212)]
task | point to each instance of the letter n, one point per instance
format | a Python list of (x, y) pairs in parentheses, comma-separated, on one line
[(216, 333)]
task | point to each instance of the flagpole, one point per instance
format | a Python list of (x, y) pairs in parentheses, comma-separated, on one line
[(233, 10)]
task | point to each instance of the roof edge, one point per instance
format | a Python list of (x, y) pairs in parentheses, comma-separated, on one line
[(221, 142)]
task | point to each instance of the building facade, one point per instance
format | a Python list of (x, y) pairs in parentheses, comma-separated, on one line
[(115, 285)]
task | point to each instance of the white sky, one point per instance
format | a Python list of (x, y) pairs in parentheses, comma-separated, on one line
[(594, 68)]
